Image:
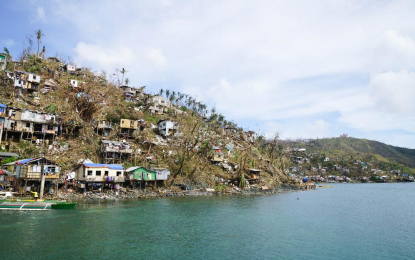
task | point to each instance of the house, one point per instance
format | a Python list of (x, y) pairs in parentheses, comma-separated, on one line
[(217, 155), (161, 173), (128, 126), (327, 159), (160, 101), (254, 174), (104, 128), (36, 124), (115, 152), (158, 104), (70, 68), (74, 83), (167, 127), (50, 84), (140, 173), (29, 173), (3, 61), (131, 93), (54, 59), (100, 173), (19, 83)]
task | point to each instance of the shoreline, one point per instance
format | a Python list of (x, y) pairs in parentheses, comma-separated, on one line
[(130, 194)]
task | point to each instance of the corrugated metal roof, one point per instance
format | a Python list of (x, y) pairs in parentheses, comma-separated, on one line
[(109, 166), (8, 154), (3, 106)]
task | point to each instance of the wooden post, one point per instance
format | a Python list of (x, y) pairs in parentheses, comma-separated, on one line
[(42, 183)]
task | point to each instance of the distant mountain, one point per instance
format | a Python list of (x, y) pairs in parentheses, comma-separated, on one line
[(343, 146)]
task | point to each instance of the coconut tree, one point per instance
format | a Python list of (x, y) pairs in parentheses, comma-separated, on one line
[(127, 81), (39, 34), (123, 71), (167, 93), (7, 53), (161, 92)]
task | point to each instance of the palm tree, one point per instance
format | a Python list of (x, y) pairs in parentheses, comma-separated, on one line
[(161, 92), (7, 53), (123, 71), (127, 80), (39, 35), (167, 93)]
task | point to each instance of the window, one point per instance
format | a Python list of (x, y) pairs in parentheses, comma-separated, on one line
[(106, 173), (118, 173), (98, 173), (27, 124), (89, 172)]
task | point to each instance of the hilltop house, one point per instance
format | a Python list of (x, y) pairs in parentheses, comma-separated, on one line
[(131, 93), (158, 104), (167, 127), (115, 152), (100, 173)]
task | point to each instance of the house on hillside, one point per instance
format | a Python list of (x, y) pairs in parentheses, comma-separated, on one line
[(158, 105), (29, 173), (167, 127), (115, 152), (162, 174), (110, 174), (217, 155), (128, 126), (254, 175), (131, 93), (3, 61), (140, 173), (37, 125), (104, 128)]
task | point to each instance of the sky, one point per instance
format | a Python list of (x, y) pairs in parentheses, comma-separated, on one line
[(303, 69)]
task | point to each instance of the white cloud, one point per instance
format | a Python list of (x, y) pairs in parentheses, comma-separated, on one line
[(39, 16), (246, 59), (107, 58), (155, 57), (8, 42), (394, 92)]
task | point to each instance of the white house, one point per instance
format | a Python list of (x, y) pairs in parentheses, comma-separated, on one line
[(74, 83), (33, 78), (70, 68), (94, 172), (167, 127), (161, 101), (161, 173), (19, 83)]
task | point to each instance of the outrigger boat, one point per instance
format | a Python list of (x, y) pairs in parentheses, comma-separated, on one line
[(10, 203)]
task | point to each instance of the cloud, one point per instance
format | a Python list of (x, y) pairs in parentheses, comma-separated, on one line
[(107, 58), (155, 57), (330, 65), (39, 16), (394, 92), (8, 42)]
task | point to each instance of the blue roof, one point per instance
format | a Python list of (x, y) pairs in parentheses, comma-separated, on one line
[(109, 166), (24, 161), (3, 105)]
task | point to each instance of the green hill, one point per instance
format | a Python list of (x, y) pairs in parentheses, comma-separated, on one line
[(348, 146)]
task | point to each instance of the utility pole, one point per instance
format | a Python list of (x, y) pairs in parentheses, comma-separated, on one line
[(42, 183)]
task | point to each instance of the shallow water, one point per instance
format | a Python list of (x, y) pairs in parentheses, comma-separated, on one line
[(348, 221)]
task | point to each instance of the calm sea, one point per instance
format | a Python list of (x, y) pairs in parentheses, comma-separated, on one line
[(348, 221)]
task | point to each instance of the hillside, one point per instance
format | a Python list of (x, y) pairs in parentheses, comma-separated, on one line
[(348, 146)]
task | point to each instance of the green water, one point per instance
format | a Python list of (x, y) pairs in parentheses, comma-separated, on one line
[(349, 221)]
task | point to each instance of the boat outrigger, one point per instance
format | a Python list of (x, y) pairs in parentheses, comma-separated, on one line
[(10, 203)]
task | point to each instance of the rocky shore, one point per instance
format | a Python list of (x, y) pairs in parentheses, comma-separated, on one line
[(161, 193)]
